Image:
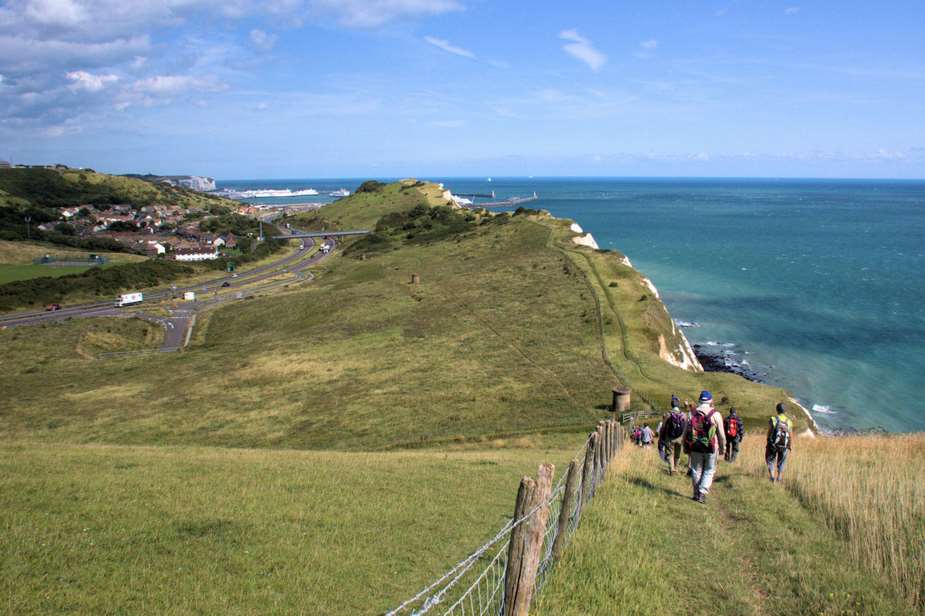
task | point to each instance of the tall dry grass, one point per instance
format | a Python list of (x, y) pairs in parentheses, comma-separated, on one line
[(871, 490)]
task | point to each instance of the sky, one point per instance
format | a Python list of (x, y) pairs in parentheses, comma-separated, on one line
[(387, 88)]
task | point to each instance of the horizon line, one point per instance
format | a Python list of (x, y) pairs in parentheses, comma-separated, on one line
[(485, 178)]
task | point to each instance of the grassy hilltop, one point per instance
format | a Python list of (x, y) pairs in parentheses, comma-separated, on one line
[(36, 187), (270, 462)]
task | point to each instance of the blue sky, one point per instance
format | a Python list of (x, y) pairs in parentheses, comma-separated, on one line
[(332, 88)]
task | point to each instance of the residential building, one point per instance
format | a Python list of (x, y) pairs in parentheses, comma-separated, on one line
[(195, 254)]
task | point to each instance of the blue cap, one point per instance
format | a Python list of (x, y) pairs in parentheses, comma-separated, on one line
[(675, 401), (705, 396)]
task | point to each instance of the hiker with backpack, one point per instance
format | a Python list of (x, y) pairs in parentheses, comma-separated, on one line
[(671, 433), (704, 438), (780, 443), (735, 432), (647, 435)]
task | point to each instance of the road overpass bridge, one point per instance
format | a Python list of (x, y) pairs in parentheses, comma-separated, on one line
[(304, 234)]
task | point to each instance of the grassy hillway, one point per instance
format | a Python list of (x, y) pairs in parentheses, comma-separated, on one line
[(647, 548), (183, 467)]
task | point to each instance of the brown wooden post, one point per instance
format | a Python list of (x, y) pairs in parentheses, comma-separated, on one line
[(610, 441), (526, 545), (587, 473), (515, 549), (415, 278), (568, 504), (621, 399), (599, 458)]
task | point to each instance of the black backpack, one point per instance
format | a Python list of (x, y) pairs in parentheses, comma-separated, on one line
[(675, 425), (779, 438)]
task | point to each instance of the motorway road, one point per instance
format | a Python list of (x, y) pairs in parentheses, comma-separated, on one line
[(177, 324)]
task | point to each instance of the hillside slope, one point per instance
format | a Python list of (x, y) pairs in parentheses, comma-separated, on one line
[(54, 188), (502, 338)]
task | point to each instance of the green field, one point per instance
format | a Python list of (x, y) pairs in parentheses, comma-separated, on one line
[(9, 273), (142, 530), (503, 356)]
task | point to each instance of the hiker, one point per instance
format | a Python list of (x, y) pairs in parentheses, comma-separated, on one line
[(735, 432), (647, 435), (780, 443), (671, 434), (704, 438)]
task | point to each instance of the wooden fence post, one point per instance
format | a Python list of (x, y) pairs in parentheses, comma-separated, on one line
[(587, 472), (526, 541), (565, 513), (601, 440)]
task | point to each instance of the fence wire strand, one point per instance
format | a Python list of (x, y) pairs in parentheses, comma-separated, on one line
[(475, 585)]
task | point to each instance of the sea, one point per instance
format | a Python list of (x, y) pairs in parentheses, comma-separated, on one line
[(814, 285)]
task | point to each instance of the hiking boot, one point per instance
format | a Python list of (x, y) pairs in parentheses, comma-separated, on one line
[(702, 498)]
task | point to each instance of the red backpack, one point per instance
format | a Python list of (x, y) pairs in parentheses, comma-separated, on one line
[(701, 437), (732, 427)]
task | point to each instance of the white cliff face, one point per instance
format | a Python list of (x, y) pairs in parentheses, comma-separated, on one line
[(197, 182), (576, 228), (689, 360), (651, 286), (683, 357), (586, 240)]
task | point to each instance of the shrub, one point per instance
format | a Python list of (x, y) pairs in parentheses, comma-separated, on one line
[(96, 281), (371, 186)]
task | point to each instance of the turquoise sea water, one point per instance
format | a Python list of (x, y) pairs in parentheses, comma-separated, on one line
[(818, 283)]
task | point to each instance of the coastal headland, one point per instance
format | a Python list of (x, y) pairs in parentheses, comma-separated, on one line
[(366, 422)]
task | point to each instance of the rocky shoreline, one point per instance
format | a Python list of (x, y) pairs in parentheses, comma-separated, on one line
[(717, 358)]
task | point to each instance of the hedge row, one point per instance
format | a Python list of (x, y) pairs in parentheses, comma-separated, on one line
[(103, 283)]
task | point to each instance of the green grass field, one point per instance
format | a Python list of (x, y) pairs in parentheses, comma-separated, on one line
[(10, 273), (646, 548), (163, 530)]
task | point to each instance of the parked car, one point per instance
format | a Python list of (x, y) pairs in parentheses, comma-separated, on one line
[(52, 307)]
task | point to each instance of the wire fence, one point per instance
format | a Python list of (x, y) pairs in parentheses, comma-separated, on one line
[(509, 569)]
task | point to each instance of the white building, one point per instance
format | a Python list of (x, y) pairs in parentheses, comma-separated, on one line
[(195, 254), (157, 247)]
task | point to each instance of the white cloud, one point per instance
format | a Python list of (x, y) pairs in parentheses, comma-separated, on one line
[(20, 54), (372, 13), (176, 84), (262, 40), (791, 10), (646, 49), (62, 13), (449, 123), (581, 48), (448, 47), (82, 80)]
